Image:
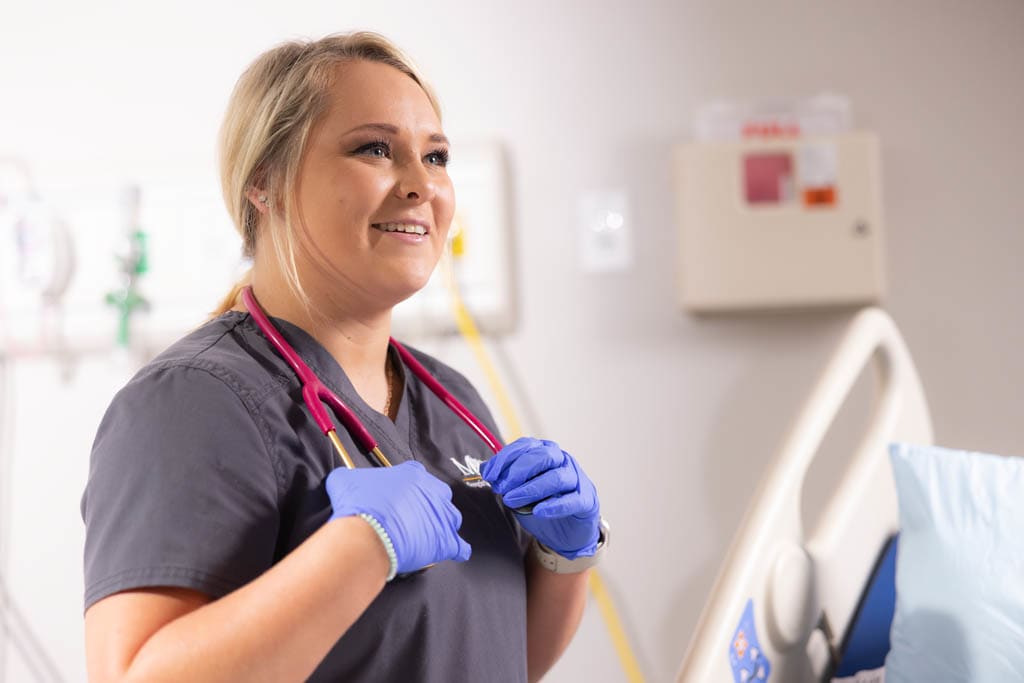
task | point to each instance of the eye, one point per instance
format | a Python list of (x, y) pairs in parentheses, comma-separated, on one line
[(439, 157), (379, 149)]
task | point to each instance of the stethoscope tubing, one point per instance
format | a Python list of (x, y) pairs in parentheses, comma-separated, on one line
[(315, 394), (446, 397)]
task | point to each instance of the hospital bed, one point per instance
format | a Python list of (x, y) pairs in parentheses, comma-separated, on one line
[(787, 598)]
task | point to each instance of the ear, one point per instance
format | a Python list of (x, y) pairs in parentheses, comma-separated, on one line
[(259, 199)]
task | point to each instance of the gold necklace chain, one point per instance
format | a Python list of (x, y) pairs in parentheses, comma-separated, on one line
[(389, 378)]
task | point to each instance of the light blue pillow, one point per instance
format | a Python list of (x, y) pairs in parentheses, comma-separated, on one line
[(959, 567)]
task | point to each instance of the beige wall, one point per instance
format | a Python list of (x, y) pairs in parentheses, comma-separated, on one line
[(674, 417)]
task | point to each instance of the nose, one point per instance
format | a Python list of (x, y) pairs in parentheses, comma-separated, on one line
[(415, 183)]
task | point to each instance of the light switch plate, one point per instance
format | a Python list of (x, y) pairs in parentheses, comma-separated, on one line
[(605, 232)]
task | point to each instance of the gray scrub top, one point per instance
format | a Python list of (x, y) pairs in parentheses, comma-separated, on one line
[(207, 469)]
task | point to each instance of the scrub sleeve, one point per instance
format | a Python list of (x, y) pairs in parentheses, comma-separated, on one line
[(188, 492)]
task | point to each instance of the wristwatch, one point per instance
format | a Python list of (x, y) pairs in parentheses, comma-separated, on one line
[(554, 562)]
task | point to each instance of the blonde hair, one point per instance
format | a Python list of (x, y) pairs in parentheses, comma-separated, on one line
[(272, 110)]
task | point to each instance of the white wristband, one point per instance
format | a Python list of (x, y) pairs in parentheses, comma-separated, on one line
[(552, 561), (389, 547)]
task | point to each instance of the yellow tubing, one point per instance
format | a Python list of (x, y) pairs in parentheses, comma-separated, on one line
[(470, 332), (618, 635)]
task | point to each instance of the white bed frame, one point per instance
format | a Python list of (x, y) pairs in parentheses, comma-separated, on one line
[(806, 587)]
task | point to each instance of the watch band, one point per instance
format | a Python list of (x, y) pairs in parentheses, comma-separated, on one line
[(553, 562)]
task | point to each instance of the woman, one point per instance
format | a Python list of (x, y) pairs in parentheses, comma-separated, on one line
[(224, 541)]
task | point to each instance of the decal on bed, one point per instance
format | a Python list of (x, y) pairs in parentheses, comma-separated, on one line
[(749, 663)]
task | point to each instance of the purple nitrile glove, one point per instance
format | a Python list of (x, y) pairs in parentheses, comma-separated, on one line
[(414, 507), (566, 516)]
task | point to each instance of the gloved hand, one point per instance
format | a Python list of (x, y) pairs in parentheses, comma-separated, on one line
[(568, 516), (414, 507)]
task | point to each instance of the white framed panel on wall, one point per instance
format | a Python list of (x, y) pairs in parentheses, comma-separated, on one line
[(481, 247)]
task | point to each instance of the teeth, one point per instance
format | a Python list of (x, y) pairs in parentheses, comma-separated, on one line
[(401, 227)]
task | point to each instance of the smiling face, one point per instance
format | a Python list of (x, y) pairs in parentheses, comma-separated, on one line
[(374, 201)]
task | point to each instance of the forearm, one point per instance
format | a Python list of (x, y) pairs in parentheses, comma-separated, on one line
[(554, 607), (281, 625)]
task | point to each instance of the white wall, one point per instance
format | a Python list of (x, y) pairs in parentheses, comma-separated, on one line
[(674, 417)]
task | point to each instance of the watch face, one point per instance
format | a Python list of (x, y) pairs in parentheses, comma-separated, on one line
[(606, 534)]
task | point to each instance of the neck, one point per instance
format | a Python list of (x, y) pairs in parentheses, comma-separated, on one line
[(357, 337)]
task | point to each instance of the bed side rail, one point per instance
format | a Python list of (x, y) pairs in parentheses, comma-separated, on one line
[(805, 587)]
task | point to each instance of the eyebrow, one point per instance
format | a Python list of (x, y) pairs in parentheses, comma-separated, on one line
[(393, 130)]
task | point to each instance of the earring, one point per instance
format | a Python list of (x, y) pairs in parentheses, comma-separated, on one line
[(263, 200)]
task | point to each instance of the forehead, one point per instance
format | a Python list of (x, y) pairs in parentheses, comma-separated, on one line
[(369, 92)]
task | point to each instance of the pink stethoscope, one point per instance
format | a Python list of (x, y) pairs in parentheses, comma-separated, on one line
[(315, 394)]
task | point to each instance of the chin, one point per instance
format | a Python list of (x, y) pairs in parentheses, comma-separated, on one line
[(400, 291)]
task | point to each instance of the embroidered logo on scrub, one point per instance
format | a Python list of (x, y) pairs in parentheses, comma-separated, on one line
[(470, 470), (749, 664)]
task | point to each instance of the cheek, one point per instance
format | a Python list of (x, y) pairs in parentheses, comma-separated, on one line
[(348, 204), (354, 188)]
